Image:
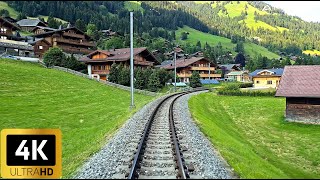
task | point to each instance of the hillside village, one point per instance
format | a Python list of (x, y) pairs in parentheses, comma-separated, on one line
[(73, 41), (245, 103)]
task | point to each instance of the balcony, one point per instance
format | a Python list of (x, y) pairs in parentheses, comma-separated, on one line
[(202, 68), (186, 75), (100, 71), (75, 50), (80, 36), (74, 42)]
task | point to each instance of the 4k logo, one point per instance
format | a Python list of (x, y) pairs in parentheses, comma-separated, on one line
[(31, 153)]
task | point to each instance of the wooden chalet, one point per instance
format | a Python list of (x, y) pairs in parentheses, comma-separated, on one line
[(7, 28), (42, 29), (301, 87), (30, 24), (70, 40), (185, 67), (227, 68), (99, 62)]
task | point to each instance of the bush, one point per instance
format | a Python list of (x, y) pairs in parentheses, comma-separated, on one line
[(154, 82), (253, 93), (114, 73), (195, 80), (124, 76), (54, 57), (139, 82), (245, 85)]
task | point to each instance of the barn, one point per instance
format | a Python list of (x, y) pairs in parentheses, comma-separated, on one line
[(300, 85)]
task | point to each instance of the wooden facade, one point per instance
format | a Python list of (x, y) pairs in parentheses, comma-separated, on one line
[(300, 85), (70, 40), (7, 29), (99, 62), (40, 47), (302, 109), (185, 67)]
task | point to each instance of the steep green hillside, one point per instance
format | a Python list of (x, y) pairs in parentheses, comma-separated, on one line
[(13, 13), (194, 36), (133, 6), (86, 111)]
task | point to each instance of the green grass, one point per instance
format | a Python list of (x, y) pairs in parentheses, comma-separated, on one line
[(250, 48), (133, 6), (312, 52), (86, 111), (25, 33), (13, 13), (251, 134)]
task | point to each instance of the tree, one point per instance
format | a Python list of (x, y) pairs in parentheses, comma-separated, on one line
[(239, 47), (72, 63), (124, 76), (21, 16), (184, 36), (80, 25), (4, 12), (114, 42), (275, 63), (139, 82), (92, 31), (262, 62), (154, 82), (53, 57), (251, 65), (114, 73), (240, 59), (286, 62), (195, 79)]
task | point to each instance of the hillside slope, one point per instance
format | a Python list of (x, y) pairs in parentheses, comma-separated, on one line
[(250, 48), (87, 112)]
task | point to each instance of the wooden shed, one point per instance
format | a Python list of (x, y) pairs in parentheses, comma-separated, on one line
[(301, 87)]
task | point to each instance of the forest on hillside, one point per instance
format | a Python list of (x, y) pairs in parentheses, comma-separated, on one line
[(156, 23)]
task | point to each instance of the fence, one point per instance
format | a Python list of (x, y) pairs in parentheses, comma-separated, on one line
[(105, 82)]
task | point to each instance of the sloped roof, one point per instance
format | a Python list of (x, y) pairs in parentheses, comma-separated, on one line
[(229, 66), (118, 55), (300, 81), (235, 73), (61, 30), (277, 71), (15, 27), (45, 28), (29, 22), (183, 62)]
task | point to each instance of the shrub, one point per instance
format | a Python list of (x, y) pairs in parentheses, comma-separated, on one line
[(139, 82), (245, 85), (195, 80), (154, 82), (124, 76), (53, 57), (114, 73)]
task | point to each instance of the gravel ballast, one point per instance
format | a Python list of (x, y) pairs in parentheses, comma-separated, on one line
[(106, 163)]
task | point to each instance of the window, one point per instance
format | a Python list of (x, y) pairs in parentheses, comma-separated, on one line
[(3, 37), (257, 82), (269, 82), (40, 47), (3, 30)]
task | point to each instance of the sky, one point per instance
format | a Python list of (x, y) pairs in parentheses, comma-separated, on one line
[(306, 10)]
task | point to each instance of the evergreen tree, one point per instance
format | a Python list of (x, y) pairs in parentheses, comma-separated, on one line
[(286, 62), (262, 62), (80, 25), (195, 79), (154, 82), (184, 36), (240, 59), (139, 82), (114, 73), (124, 76), (251, 65)]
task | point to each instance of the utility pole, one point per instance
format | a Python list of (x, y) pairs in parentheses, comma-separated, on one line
[(209, 73), (175, 71), (131, 59)]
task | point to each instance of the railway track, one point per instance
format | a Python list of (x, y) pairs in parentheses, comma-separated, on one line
[(159, 152)]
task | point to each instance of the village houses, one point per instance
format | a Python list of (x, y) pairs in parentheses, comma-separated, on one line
[(185, 67), (99, 62), (266, 78)]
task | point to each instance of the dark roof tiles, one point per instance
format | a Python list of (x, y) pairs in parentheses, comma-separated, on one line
[(300, 81)]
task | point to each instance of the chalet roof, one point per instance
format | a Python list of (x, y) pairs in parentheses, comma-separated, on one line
[(180, 63), (15, 44), (277, 71), (164, 63), (10, 19), (45, 28), (236, 73), (300, 81), (30, 22), (15, 27), (118, 55), (61, 30), (229, 66)]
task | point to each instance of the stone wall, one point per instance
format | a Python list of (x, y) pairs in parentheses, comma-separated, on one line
[(304, 113), (105, 82)]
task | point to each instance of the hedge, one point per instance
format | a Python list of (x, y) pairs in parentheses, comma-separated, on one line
[(245, 93)]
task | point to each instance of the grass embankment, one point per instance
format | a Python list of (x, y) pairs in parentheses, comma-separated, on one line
[(194, 36), (251, 134), (86, 111)]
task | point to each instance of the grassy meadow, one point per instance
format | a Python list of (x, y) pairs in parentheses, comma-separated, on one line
[(86, 111), (252, 136), (194, 36)]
